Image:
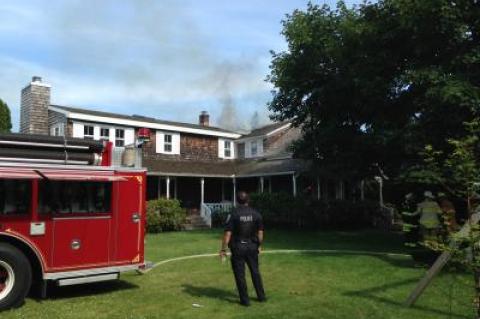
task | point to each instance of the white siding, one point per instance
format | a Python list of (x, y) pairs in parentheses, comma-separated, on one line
[(129, 136), (129, 132), (77, 130), (160, 146)]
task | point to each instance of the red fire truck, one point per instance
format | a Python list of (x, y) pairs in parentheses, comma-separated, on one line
[(66, 215)]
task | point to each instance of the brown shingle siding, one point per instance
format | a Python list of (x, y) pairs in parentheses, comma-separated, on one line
[(192, 148)]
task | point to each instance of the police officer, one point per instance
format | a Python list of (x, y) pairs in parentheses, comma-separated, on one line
[(244, 236)]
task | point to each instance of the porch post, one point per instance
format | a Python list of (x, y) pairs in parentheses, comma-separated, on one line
[(168, 187), (202, 191), (234, 192), (294, 183), (262, 185), (318, 188)]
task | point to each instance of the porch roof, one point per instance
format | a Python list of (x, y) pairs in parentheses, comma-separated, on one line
[(226, 168), (270, 166), (190, 168)]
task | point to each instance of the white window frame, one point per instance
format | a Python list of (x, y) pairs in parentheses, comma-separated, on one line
[(57, 130), (118, 138), (227, 149), (88, 136), (223, 151), (160, 142), (168, 145), (105, 137)]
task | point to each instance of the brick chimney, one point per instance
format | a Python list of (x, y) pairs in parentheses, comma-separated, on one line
[(34, 107), (204, 118)]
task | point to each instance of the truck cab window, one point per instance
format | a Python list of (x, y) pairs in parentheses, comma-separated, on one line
[(15, 196), (73, 197)]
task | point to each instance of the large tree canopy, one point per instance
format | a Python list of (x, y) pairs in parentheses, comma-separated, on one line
[(5, 121), (372, 85)]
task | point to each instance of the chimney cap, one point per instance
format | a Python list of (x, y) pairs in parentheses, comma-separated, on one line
[(36, 78)]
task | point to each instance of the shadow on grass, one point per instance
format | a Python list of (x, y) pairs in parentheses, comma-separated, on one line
[(370, 294), (92, 289), (398, 261), (210, 292)]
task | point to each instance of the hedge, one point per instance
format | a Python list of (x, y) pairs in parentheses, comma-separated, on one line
[(165, 215)]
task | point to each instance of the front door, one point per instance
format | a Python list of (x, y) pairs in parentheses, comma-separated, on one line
[(130, 204)]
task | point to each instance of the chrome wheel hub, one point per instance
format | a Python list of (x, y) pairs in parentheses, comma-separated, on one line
[(7, 279)]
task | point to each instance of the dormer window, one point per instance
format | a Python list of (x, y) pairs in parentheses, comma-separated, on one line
[(167, 143), (227, 149), (119, 138), (104, 134), (88, 132), (253, 148)]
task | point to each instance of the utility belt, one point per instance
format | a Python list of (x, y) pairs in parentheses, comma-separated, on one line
[(244, 242)]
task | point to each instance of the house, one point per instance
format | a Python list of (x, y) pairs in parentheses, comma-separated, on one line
[(198, 164)]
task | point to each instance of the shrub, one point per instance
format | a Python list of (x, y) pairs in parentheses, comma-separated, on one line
[(219, 217), (164, 215), (284, 210)]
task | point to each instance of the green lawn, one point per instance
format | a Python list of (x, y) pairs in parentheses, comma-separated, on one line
[(298, 285)]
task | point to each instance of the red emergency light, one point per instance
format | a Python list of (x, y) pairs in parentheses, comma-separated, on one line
[(144, 134)]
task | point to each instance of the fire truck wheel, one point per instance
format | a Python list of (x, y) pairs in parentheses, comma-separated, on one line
[(15, 276)]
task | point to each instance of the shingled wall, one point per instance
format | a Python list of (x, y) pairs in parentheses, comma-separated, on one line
[(34, 108)]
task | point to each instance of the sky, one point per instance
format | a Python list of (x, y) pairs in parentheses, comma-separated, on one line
[(160, 58)]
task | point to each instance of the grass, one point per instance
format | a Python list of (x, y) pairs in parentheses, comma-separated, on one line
[(298, 285)]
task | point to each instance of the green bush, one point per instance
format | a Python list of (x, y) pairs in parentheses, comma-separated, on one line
[(165, 215), (284, 210), (219, 217)]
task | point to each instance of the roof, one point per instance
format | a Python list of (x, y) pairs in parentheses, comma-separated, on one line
[(226, 168), (270, 166), (139, 118), (264, 130)]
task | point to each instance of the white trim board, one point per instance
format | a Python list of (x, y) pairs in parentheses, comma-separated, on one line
[(126, 122)]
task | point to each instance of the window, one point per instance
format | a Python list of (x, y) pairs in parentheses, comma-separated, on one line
[(119, 138), (241, 150), (104, 134), (57, 130), (227, 149), (167, 143), (253, 148), (69, 197), (88, 132), (15, 196)]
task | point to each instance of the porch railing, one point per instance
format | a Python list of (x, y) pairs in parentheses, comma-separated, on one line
[(208, 209)]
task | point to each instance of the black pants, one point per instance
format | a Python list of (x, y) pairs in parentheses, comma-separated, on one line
[(241, 254)]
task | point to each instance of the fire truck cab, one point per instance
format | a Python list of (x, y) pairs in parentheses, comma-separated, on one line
[(66, 215)]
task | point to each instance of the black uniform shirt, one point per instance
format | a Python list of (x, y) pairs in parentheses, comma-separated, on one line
[(244, 223)]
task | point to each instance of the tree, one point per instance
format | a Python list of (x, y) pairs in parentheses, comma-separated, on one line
[(372, 85), (5, 120), (458, 174)]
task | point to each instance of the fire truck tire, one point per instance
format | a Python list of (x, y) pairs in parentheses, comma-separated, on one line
[(15, 276)]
